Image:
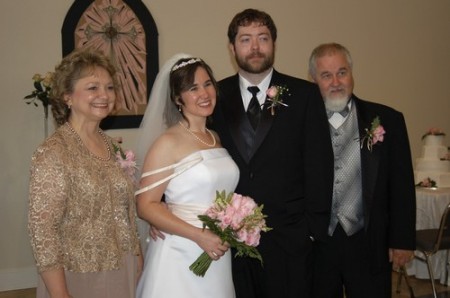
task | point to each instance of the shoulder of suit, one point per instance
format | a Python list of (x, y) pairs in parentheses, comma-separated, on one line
[(228, 80), (375, 106), (285, 77)]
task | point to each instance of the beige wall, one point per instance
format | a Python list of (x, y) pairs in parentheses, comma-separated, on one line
[(401, 52)]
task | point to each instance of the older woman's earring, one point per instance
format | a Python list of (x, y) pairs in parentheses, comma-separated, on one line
[(179, 108), (69, 106)]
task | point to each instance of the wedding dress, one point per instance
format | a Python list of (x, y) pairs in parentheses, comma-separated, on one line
[(191, 190)]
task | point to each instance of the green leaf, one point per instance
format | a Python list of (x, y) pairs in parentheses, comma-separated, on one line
[(38, 86)]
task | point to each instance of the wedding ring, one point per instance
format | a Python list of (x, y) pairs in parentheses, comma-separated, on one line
[(214, 254)]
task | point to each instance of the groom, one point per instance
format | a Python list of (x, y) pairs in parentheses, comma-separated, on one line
[(268, 144)]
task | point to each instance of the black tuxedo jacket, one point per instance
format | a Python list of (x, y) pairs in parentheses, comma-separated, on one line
[(387, 183), (272, 171)]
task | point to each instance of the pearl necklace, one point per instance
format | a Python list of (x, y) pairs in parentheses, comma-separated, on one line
[(82, 143), (197, 138)]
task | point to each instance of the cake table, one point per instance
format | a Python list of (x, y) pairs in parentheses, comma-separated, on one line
[(430, 205)]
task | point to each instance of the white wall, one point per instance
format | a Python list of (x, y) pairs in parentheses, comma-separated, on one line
[(401, 52)]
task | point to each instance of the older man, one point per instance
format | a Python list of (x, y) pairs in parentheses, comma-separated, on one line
[(362, 210)]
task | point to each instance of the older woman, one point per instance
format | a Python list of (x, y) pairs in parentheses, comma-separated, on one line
[(82, 211)]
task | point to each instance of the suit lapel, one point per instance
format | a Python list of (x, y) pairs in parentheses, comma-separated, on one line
[(236, 118), (370, 160), (262, 130), (238, 123), (266, 117)]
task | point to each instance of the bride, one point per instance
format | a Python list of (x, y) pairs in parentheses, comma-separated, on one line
[(187, 165)]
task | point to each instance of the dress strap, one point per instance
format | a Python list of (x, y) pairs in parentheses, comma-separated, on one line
[(179, 167)]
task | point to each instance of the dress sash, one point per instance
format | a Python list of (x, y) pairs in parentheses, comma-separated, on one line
[(188, 213)]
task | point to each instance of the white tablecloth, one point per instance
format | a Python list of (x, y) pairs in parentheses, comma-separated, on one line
[(431, 204)]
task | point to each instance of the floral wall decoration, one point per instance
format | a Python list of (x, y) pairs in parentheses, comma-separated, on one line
[(125, 31)]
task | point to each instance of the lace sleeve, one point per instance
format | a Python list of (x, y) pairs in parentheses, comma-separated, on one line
[(179, 168), (47, 203)]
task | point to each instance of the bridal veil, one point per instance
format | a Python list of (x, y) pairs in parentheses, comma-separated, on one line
[(159, 114)]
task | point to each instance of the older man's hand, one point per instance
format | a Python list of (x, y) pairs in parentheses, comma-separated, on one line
[(399, 257)]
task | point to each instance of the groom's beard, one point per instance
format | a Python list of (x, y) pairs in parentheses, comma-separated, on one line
[(336, 104), (266, 64)]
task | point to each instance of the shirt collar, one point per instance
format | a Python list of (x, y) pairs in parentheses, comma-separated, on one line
[(263, 86)]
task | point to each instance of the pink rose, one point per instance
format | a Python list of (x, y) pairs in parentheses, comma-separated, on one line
[(272, 92), (243, 206), (127, 161), (130, 156), (250, 238), (378, 134), (253, 237), (228, 217), (212, 212)]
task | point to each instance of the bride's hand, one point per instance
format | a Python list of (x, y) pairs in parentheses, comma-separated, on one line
[(212, 244)]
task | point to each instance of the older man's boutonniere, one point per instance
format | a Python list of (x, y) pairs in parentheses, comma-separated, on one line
[(373, 135), (126, 160), (274, 99)]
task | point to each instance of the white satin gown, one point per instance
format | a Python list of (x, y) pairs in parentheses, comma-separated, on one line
[(191, 190)]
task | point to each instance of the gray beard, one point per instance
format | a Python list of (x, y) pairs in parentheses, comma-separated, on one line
[(336, 104)]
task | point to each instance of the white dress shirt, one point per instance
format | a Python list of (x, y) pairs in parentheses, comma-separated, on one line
[(247, 96)]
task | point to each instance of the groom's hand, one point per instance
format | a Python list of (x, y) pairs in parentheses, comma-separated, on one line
[(155, 233)]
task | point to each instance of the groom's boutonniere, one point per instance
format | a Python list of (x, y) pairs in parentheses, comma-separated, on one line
[(373, 135), (274, 99)]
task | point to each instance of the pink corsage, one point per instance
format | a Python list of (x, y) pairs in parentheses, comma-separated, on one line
[(126, 160), (373, 135), (274, 99)]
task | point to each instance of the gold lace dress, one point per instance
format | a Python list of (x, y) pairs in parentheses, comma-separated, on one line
[(82, 218)]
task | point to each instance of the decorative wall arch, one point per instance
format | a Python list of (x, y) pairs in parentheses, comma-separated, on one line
[(126, 32)]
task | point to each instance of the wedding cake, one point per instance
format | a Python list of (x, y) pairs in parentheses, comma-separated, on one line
[(433, 162)]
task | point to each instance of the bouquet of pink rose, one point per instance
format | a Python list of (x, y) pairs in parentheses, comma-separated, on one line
[(236, 219)]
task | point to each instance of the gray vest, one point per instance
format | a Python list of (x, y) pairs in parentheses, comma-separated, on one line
[(347, 204)]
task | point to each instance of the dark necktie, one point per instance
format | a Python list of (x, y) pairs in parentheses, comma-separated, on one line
[(254, 108)]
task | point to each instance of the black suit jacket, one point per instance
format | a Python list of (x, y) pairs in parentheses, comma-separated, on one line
[(387, 183), (273, 170)]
